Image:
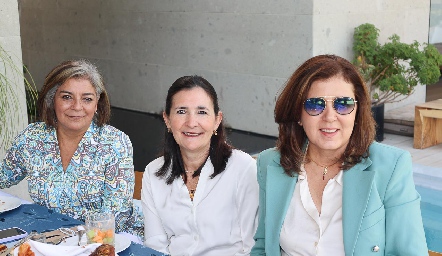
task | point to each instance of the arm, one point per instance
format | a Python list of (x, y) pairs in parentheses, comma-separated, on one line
[(154, 233), (12, 168), (259, 247), (247, 205), (404, 229), (119, 187)]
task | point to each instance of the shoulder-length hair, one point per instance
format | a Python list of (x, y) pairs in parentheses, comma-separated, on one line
[(290, 104), (219, 151), (77, 69)]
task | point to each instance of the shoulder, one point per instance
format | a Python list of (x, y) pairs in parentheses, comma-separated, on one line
[(240, 166), (389, 162), (240, 156), (37, 127), (109, 130), (154, 165), (269, 156), (36, 131), (379, 152), (110, 134), (240, 159)]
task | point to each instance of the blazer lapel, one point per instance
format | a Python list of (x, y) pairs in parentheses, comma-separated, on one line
[(279, 191), (357, 186)]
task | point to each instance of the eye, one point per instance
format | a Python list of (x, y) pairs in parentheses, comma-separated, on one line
[(202, 112), (88, 99), (181, 111), (66, 97)]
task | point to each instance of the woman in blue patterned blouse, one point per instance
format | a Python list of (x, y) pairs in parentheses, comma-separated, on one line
[(74, 162)]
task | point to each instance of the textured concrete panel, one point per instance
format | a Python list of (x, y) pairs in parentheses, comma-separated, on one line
[(246, 48), (133, 86), (9, 22), (10, 42)]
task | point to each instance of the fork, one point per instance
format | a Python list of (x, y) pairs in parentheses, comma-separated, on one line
[(80, 233)]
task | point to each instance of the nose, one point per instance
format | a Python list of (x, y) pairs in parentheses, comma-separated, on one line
[(76, 104), (191, 120), (329, 114)]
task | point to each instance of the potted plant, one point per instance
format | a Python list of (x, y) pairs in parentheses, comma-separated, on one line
[(392, 70), (11, 76)]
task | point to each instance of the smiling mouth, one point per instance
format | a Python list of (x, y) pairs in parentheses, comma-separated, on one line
[(329, 130), (191, 134)]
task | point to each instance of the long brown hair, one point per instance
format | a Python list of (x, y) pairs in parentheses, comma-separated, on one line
[(289, 106)]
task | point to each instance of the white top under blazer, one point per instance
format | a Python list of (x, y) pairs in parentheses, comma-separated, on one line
[(221, 220), (305, 232)]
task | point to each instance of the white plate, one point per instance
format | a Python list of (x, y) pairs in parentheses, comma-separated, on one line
[(121, 242), (8, 203)]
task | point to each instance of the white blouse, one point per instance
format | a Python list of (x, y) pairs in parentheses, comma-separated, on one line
[(221, 220), (304, 231)]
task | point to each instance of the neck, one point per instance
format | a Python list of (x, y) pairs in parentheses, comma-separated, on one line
[(323, 157), (63, 135), (193, 161)]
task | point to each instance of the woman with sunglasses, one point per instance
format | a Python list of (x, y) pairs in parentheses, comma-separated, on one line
[(328, 188)]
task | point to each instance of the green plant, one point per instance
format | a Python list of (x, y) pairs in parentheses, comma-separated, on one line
[(392, 70), (12, 74)]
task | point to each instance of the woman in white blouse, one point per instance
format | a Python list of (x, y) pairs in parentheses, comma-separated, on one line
[(201, 196)]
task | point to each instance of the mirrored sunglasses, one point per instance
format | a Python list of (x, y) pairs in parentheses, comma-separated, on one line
[(342, 105)]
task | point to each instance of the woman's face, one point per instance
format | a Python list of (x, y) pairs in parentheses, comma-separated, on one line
[(329, 131), (192, 120), (75, 103)]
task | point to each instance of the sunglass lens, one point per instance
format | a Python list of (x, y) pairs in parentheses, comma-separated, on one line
[(344, 105), (314, 106)]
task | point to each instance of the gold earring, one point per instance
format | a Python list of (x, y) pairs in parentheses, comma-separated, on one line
[(215, 132)]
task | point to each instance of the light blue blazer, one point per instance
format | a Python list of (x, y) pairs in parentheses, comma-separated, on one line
[(380, 205)]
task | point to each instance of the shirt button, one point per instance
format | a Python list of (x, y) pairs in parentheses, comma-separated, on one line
[(375, 248)]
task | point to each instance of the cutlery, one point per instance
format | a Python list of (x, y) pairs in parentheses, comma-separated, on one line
[(80, 233)]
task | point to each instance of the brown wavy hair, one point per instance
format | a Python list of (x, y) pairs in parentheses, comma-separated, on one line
[(78, 69), (289, 104)]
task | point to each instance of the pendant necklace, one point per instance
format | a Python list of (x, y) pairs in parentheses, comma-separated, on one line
[(192, 184), (324, 166)]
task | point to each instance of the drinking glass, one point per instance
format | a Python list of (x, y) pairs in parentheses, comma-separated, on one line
[(100, 228)]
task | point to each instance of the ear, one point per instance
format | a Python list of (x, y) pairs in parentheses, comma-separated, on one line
[(218, 119), (166, 120)]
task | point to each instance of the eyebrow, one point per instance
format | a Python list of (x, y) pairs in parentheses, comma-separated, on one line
[(199, 107), (84, 94)]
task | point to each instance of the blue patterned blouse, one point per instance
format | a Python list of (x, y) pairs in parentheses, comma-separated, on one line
[(99, 177)]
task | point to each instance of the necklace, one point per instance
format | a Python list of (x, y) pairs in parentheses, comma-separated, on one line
[(324, 166), (191, 186)]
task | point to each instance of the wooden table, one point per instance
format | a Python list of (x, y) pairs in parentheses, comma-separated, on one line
[(428, 124)]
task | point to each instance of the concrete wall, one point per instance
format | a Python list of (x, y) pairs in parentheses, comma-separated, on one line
[(10, 41), (246, 49), (333, 28)]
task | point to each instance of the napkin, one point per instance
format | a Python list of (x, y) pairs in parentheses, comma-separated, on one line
[(42, 249)]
